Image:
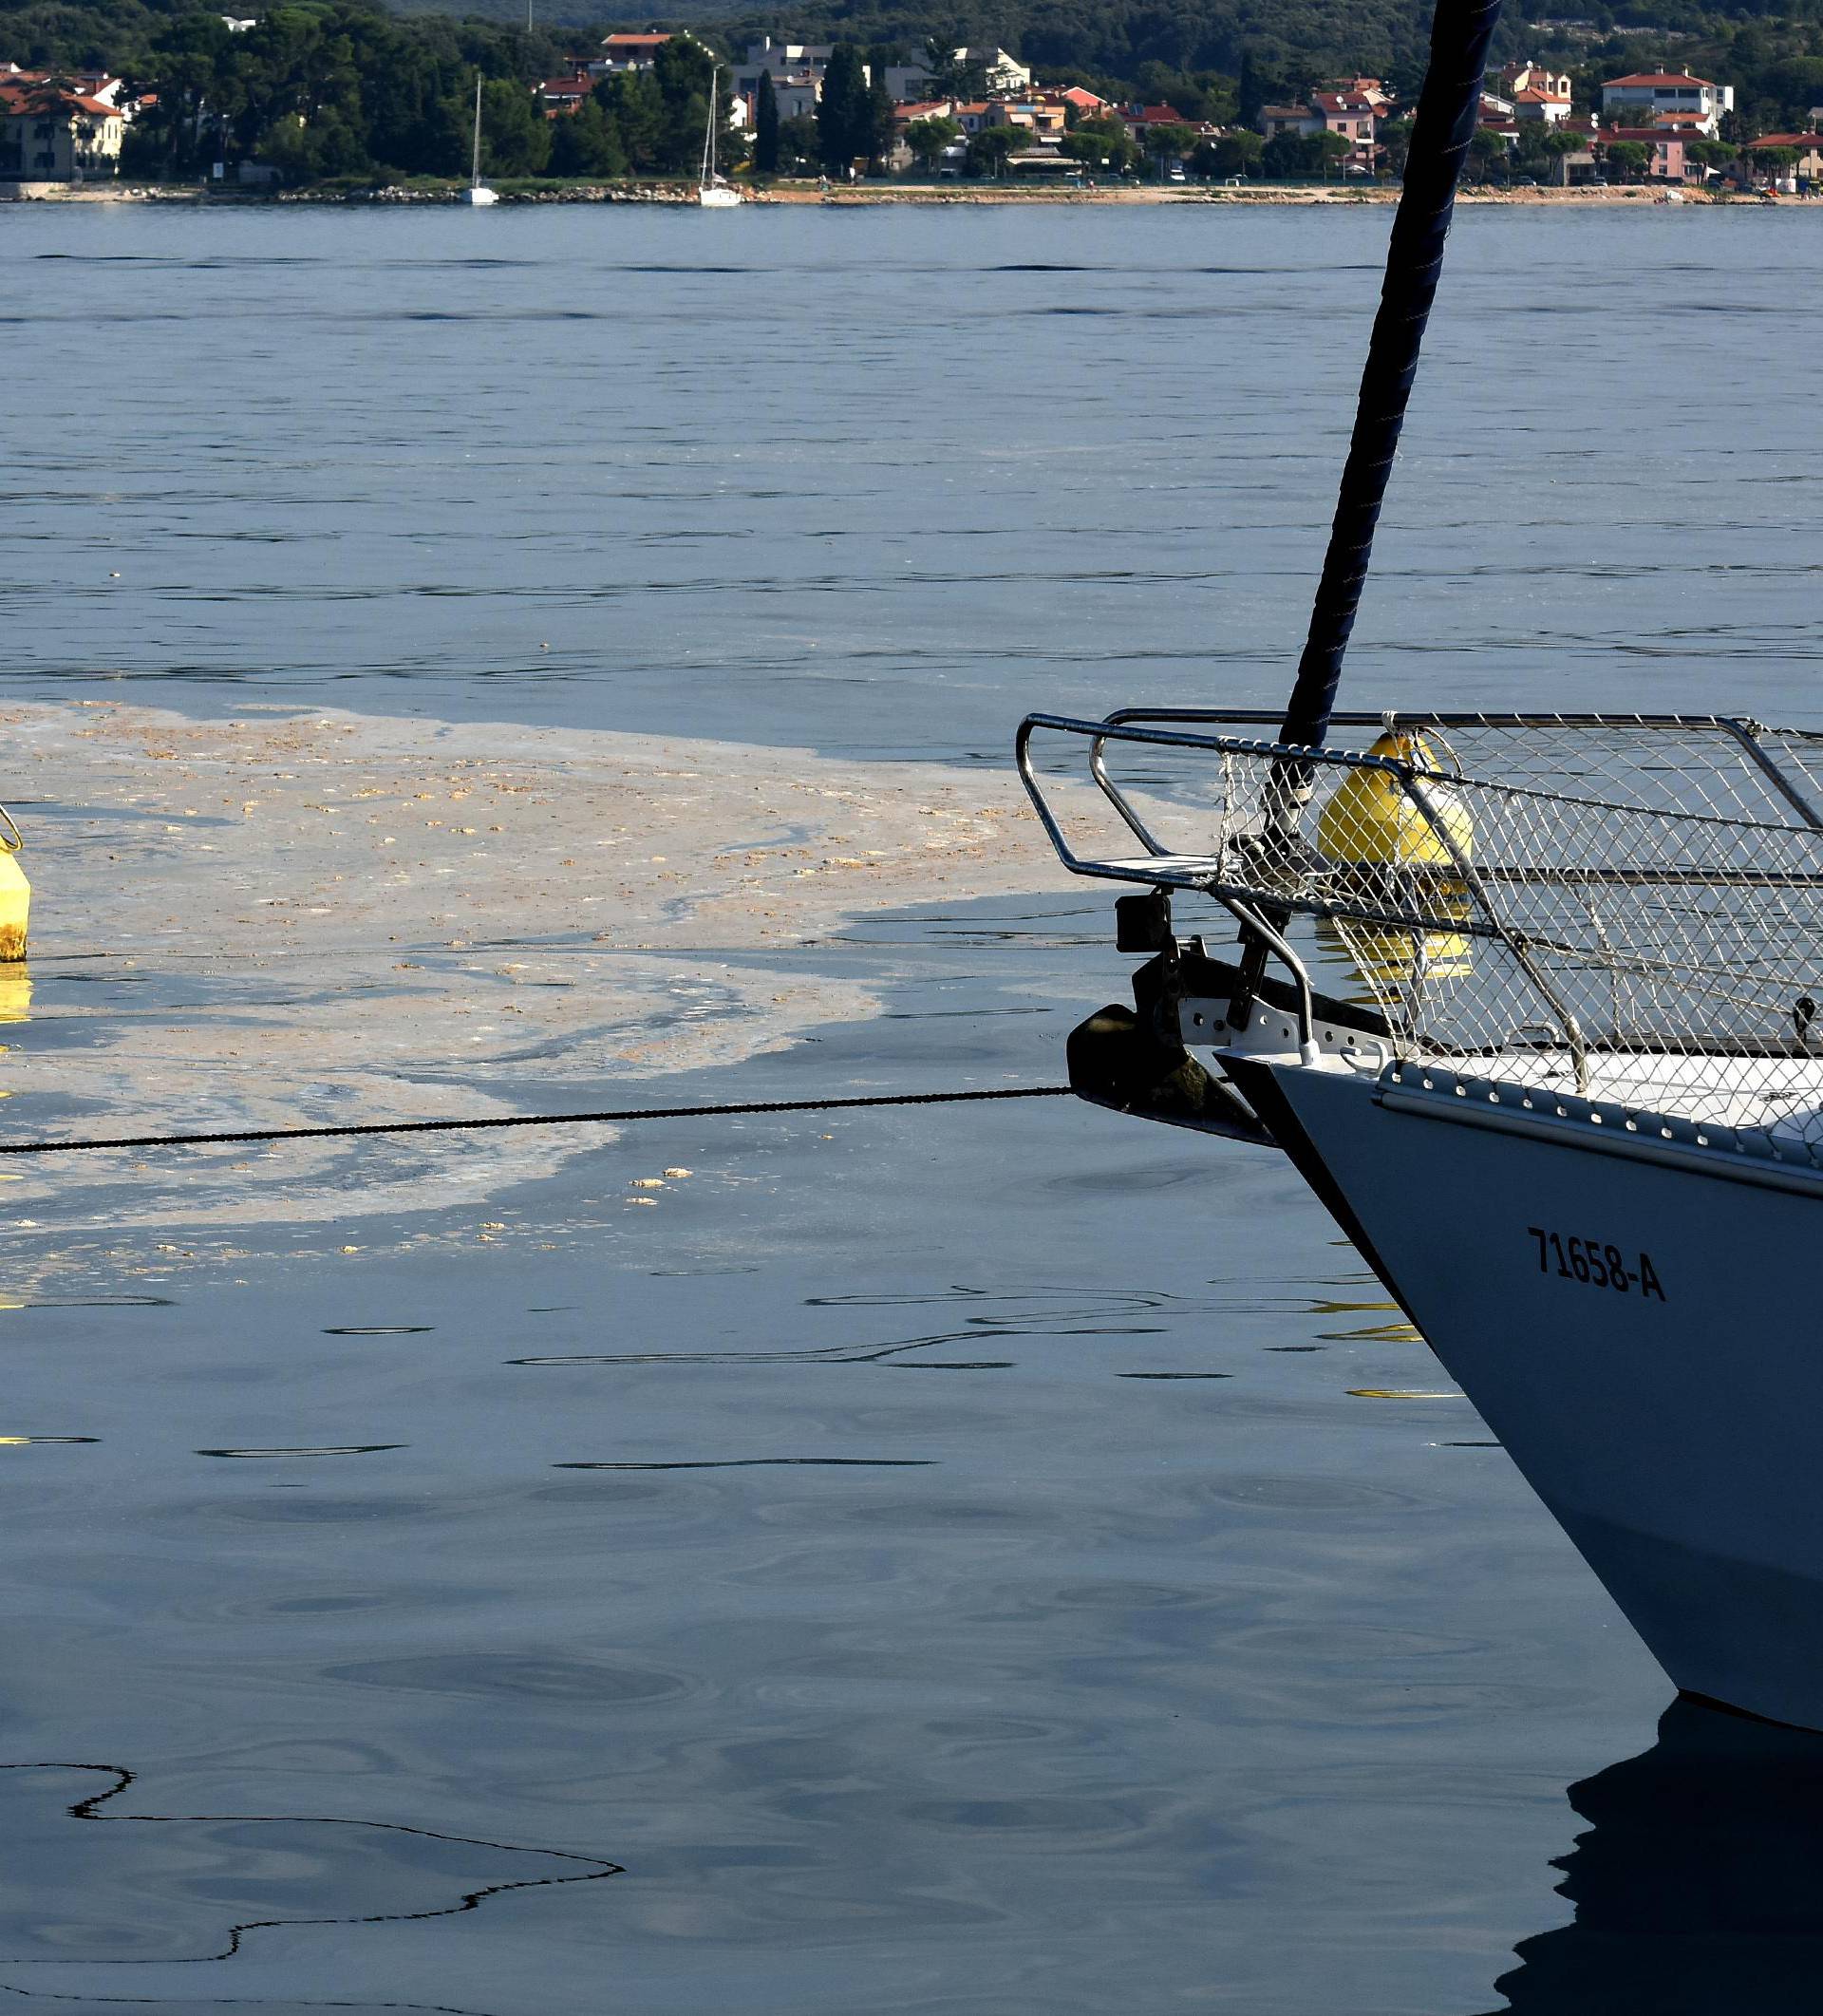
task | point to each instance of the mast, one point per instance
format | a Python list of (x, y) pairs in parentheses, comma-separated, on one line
[(475, 170), (1447, 109), (708, 138), (1448, 105)]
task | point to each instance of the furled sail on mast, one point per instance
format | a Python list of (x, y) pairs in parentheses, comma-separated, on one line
[(1448, 108)]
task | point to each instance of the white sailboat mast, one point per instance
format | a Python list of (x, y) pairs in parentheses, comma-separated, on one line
[(475, 170)]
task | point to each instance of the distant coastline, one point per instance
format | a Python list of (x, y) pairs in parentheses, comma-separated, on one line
[(873, 195)]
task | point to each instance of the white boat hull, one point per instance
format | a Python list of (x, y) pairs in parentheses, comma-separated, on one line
[(719, 199), (479, 196), (1671, 1422)]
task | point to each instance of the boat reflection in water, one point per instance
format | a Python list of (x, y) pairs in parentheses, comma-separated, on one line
[(1699, 1885)]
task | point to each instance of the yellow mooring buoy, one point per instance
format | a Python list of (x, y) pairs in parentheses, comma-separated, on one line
[(1372, 821), (15, 892), (1373, 826)]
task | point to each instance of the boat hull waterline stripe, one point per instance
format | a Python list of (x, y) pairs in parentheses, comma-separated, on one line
[(534, 1119)]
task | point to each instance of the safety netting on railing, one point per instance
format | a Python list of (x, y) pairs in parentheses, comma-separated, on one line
[(1629, 908)]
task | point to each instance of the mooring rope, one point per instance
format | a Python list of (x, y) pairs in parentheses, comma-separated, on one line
[(529, 1120)]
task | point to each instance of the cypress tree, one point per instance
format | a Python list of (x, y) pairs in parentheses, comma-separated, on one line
[(1250, 95), (842, 113), (766, 127), (878, 123)]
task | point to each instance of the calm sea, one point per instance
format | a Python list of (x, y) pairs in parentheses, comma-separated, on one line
[(937, 1562)]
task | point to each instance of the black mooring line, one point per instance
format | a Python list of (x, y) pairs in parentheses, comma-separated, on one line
[(528, 1119)]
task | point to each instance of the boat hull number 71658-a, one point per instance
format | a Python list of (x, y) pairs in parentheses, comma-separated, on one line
[(1596, 1264)]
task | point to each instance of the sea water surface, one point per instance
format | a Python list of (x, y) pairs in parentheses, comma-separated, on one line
[(951, 1560)]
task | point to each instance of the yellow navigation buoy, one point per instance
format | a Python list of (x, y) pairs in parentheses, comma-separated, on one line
[(15, 892), (1373, 826), (1371, 820)]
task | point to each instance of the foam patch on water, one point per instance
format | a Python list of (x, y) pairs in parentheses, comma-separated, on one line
[(317, 919)]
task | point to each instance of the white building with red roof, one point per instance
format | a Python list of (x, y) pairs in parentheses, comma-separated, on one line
[(1536, 101), (58, 128), (629, 53), (1646, 97), (1534, 76), (562, 96)]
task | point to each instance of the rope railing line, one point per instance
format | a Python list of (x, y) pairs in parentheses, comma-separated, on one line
[(613, 1116)]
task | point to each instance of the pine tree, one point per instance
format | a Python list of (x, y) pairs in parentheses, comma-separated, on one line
[(766, 127)]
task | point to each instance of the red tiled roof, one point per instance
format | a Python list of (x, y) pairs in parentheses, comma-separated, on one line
[(25, 93), (1533, 96), (1807, 143), (1662, 77), (631, 42)]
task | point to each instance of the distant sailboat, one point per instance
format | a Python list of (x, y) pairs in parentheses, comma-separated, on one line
[(477, 192), (711, 191)]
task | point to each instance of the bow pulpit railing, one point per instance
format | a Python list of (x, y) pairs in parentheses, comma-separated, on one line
[(1625, 907)]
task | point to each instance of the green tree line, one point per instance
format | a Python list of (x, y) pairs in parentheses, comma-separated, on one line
[(325, 91), (342, 88)]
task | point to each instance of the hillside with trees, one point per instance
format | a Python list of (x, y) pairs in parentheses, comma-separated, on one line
[(342, 88)]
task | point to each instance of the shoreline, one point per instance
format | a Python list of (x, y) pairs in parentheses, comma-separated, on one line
[(863, 196)]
